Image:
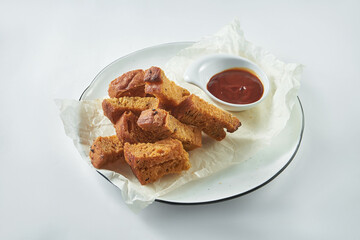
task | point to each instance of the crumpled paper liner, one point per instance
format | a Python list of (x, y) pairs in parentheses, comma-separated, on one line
[(84, 120)]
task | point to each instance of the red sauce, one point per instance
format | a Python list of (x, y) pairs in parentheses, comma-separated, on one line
[(236, 85)]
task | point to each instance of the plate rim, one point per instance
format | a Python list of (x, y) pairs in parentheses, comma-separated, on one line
[(221, 199)]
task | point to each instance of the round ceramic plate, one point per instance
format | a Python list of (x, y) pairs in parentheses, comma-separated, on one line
[(232, 182)]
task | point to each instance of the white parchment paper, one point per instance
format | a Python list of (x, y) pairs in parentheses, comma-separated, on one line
[(84, 120)]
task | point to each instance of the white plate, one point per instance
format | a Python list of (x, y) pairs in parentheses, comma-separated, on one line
[(232, 182)]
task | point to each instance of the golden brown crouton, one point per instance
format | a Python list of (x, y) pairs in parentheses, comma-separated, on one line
[(168, 93), (129, 84), (107, 153), (128, 130), (160, 121), (150, 161), (114, 107), (212, 120)]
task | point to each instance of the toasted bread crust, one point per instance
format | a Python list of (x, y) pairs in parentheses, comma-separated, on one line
[(150, 161), (114, 107), (106, 153), (168, 93), (127, 130), (212, 120), (155, 120), (159, 120), (154, 75), (129, 84)]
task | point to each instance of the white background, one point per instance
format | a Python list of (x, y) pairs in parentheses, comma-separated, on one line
[(54, 49)]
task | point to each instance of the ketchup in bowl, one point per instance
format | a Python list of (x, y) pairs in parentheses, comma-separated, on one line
[(236, 85)]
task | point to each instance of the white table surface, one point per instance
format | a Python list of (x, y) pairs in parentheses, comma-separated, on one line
[(53, 50)]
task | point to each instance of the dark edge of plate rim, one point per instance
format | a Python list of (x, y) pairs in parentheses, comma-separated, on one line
[(217, 200)]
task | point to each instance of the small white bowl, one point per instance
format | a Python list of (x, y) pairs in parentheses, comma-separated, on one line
[(200, 72)]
